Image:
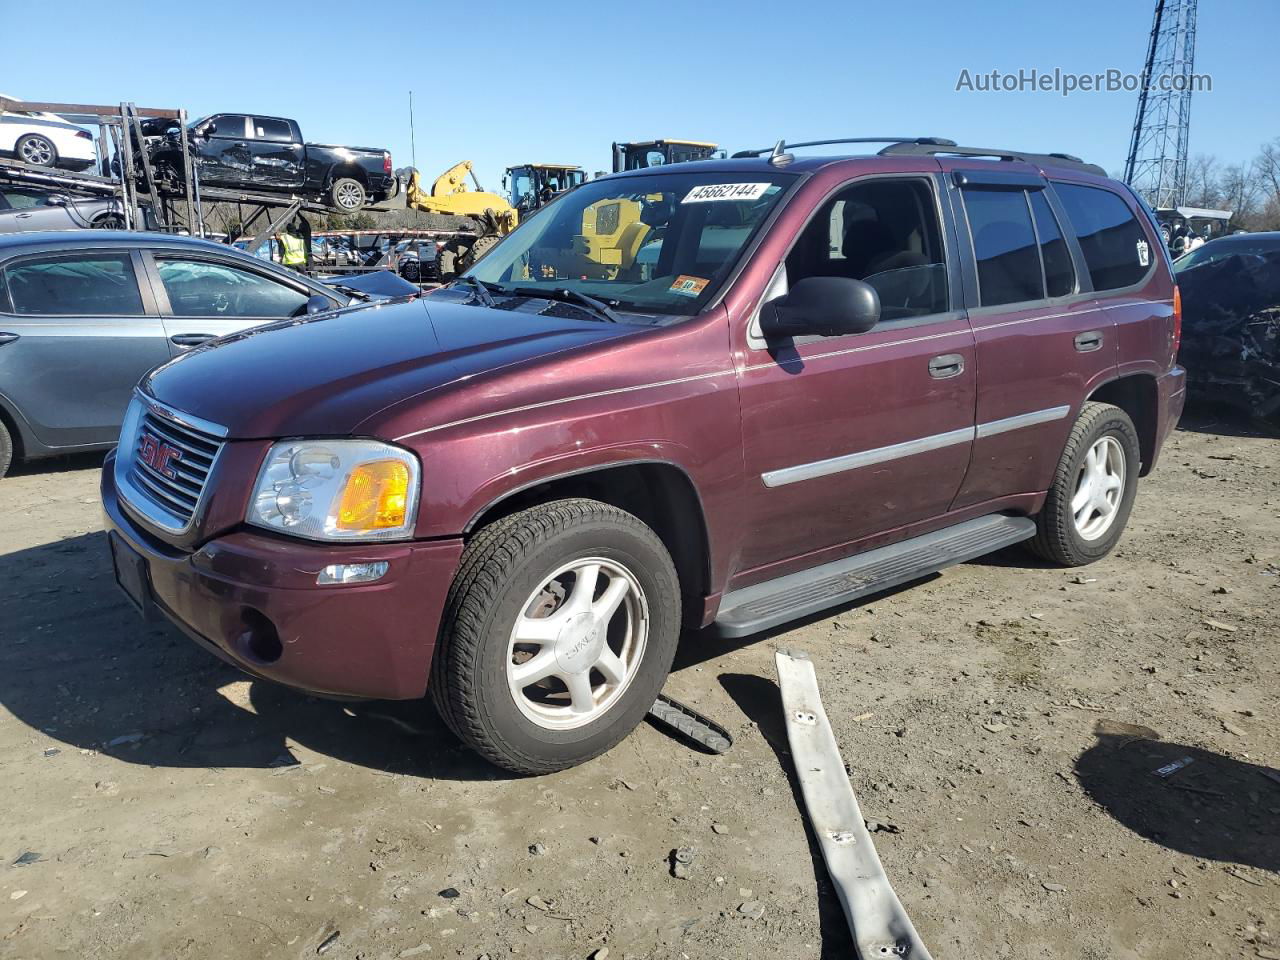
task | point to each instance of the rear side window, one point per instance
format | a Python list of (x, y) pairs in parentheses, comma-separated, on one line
[(85, 285), (277, 131), (1004, 243), (1115, 246), (1059, 273)]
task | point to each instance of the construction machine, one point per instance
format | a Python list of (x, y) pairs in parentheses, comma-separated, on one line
[(530, 186), (652, 153), (479, 218)]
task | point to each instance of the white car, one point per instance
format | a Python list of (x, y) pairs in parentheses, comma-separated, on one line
[(45, 140)]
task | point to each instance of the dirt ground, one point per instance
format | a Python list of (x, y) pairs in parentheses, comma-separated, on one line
[(1004, 718)]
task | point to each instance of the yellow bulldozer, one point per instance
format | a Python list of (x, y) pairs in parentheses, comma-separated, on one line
[(480, 218)]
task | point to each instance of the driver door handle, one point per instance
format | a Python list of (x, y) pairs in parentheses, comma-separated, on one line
[(191, 339), (946, 366)]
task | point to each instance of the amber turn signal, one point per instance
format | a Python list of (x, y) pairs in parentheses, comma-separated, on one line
[(376, 496)]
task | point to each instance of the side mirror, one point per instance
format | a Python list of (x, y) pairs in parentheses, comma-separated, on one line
[(56, 200), (824, 307), (206, 129), (317, 303)]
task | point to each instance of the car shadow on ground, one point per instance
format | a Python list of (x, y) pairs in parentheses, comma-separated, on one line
[(79, 664), (761, 701), (1203, 415), (63, 464), (1214, 807)]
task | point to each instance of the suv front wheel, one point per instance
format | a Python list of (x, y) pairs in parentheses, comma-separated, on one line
[(1093, 489), (559, 632)]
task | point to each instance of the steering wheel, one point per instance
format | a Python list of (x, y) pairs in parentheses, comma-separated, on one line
[(221, 302)]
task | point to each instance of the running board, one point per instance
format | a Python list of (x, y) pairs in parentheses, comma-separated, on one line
[(764, 605)]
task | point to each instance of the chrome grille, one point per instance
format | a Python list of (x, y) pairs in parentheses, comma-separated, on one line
[(171, 464)]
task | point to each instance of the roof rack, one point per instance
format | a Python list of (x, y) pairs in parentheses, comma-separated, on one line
[(920, 148), (779, 149)]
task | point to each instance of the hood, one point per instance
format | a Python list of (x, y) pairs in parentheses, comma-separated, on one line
[(380, 284), (325, 374)]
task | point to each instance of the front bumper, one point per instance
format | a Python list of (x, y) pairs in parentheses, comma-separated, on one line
[(238, 591)]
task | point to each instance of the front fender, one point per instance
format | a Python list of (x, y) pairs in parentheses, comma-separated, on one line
[(571, 464)]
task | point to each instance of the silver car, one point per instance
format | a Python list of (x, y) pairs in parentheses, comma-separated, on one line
[(84, 315), (25, 208)]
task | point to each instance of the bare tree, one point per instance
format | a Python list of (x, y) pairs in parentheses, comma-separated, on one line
[(1202, 181)]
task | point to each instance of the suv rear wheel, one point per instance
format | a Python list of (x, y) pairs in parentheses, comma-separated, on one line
[(1093, 488), (559, 633)]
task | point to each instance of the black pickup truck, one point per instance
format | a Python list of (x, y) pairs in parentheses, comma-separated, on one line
[(255, 153)]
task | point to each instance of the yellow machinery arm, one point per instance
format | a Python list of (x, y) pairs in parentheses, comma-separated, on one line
[(450, 195)]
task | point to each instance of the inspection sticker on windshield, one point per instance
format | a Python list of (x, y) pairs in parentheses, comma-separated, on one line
[(725, 191), (688, 286)]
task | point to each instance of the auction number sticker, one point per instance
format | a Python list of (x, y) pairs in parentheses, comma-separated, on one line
[(726, 191), (1144, 253), (687, 286)]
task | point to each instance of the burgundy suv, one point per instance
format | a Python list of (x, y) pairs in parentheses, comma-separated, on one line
[(724, 393)]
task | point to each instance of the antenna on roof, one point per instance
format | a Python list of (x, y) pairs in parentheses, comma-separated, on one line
[(779, 157)]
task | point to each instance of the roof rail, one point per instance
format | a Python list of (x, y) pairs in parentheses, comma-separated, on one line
[(781, 146), (918, 148)]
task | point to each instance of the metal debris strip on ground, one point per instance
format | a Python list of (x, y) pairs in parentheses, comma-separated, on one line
[(880, 925)]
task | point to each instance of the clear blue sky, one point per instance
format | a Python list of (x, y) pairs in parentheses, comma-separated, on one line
[(560, 82)]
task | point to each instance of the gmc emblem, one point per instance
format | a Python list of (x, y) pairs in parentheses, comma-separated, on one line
[(157, 454)]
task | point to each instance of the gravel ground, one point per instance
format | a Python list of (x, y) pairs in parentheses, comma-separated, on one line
[(1002, 721)]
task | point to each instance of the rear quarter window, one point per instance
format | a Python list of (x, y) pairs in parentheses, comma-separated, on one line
[(1116, 249)]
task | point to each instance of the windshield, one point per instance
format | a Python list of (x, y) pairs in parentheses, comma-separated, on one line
[(652, 244)]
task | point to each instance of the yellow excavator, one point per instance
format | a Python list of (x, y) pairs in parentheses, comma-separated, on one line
[(482, 218)]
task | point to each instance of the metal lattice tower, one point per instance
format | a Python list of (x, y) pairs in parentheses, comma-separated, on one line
[(1157, 164)]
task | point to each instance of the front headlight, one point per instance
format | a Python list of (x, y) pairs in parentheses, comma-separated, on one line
[(337, 490)]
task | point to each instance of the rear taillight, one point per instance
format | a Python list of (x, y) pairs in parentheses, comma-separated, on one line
[(1177, 318), (84, 134), (386, 163)]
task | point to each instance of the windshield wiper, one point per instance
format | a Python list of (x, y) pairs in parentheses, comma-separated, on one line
[(351, 291), (480, 287), (601, 308)]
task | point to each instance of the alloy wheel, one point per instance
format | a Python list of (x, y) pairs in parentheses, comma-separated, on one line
[(1099, 488), (38, 151), (577, 644)]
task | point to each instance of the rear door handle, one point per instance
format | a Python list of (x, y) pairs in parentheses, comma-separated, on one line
[(946, 366), (24, 216), (191, 339), (7, 338), (1088, 342)]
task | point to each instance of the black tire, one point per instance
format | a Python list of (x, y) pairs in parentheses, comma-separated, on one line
[(446, 264), (110, 221), (1057, 537), (476, 252), (499, 571), (347, 194), (36, 150), (6, 450)]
